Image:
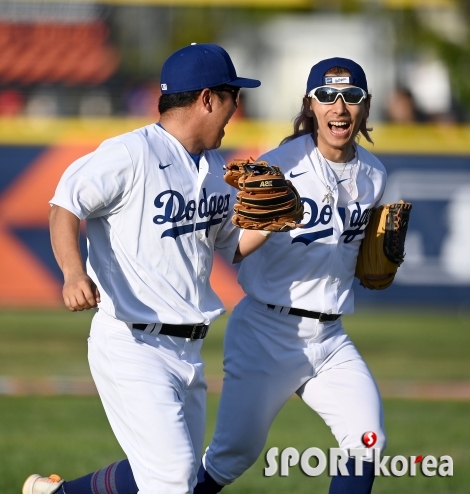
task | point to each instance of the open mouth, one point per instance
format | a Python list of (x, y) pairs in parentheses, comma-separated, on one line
[(339, 129)]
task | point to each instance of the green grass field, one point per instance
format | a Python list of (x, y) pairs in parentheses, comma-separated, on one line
[(396, 345), (70, 435)]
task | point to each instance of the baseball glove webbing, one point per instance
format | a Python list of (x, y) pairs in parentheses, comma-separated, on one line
[(266, 200), (382, 249)]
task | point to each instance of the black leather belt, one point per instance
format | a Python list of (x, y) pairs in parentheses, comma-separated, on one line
[(309, 313), (191, 331)]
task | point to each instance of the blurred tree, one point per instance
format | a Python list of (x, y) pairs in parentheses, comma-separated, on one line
[(415, 35), (157, 31), (345, 6), (148, 34)]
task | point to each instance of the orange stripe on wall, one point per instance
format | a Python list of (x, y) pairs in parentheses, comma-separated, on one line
[(245, 153), (25, 203), (24, 280), (224, 282), (224, 277)]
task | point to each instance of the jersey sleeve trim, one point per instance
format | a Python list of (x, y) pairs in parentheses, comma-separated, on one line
[(69, 207)]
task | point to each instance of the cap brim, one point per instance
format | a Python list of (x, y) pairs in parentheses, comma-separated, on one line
[(244, 82)]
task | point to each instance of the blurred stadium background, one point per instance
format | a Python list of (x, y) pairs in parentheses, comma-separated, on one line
[(75, 73)]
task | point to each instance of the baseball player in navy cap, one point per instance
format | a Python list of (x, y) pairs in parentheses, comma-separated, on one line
[(286, 336), (156, 208)]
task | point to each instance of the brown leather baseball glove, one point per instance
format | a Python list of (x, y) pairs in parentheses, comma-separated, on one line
[(382, 249), (266, 201)]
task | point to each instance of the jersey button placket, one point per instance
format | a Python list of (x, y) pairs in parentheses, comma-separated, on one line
[(202, 274)]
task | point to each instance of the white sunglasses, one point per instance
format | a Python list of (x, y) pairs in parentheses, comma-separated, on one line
[(327, 95)]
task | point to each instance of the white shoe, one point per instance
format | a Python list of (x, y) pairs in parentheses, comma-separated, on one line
[(35, 484)]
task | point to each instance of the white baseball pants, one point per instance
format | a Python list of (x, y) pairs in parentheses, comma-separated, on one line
[(154, 394), (269, 356)]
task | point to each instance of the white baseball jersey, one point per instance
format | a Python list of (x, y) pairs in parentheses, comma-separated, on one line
[(153, 222), (270, 354), (325, 249)]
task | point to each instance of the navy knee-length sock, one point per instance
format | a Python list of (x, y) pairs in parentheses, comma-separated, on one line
[(206, 484), (116, 478), (353, 484)]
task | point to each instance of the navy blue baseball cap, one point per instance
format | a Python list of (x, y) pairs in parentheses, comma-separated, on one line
[(201, 66), (317, 74)]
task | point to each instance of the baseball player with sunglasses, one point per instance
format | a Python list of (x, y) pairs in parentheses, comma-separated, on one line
[(156, 207), (286, 335)]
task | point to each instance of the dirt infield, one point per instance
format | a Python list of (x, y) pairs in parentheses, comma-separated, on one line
[(420, 390)]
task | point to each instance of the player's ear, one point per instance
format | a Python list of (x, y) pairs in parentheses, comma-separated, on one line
[(206, 99), (307, 107)]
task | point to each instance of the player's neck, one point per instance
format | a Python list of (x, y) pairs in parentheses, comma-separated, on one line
[(183, 130), (337, 155)]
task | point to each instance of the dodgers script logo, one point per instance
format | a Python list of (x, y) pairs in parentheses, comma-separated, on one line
[(323, 216), (176, 210)]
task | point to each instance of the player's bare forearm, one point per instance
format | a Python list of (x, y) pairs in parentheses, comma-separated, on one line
[(65, 228), (250, 241), (79, 291)]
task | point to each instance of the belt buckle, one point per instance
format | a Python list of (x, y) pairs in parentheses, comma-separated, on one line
[(321, 319), (204, 331), (197, 336)]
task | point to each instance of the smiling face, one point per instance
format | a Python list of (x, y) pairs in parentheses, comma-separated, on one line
[(336, 125)]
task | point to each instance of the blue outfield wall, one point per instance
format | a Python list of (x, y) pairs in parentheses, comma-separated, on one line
[(436, 270)]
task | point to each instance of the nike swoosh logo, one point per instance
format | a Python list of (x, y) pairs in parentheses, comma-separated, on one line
[(162, 167), (292, 175), (344, 180)]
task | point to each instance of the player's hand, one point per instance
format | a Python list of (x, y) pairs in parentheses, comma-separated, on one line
[(80, 292)]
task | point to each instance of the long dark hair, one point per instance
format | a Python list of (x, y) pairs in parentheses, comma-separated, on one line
[(304, 124)]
